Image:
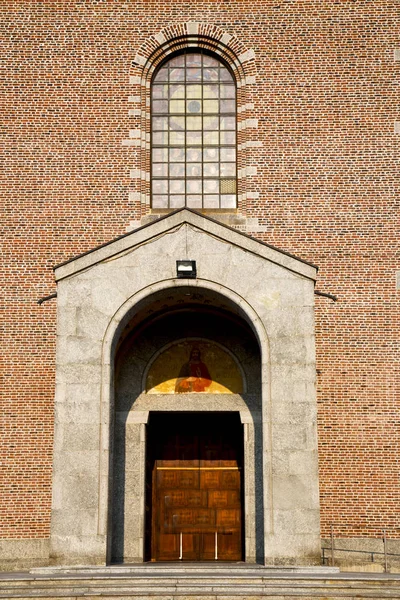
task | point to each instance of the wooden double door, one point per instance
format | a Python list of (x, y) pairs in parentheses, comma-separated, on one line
[(196, 475)]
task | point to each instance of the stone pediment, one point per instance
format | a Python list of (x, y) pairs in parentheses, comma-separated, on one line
[(174, 222)]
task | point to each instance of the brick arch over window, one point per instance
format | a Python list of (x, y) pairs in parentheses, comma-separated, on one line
[(156, 50)]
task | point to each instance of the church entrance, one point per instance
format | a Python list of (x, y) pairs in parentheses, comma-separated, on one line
[(194, 487)]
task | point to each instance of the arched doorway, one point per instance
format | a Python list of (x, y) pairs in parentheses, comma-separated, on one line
[(120, 305), (187, 438)]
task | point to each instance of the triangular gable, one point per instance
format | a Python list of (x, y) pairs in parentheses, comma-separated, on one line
[(172, 221)]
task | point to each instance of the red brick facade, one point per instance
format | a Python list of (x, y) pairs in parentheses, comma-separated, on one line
[(318, 153)]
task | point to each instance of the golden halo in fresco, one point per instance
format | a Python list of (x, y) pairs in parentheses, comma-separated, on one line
[(194, 366)]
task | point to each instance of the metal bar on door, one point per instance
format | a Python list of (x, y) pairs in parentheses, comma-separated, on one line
[(180, 547), (216, 546)]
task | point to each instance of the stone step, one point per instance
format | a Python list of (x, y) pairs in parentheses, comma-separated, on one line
[(151, 582)]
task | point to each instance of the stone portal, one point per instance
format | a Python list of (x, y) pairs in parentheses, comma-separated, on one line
[(120, 308)]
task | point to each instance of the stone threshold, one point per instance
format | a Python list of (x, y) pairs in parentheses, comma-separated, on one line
[(178, 568)]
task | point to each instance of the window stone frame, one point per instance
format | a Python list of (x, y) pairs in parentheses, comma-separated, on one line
[(241, 61)]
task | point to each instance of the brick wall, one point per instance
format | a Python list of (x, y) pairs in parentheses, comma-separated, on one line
[(323, 185)]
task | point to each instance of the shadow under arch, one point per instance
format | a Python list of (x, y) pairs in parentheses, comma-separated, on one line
[(134, 315)]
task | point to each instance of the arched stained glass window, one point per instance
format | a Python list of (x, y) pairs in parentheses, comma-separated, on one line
[(193, 134)]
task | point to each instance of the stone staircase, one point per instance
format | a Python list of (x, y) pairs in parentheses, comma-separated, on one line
[(206, 582)]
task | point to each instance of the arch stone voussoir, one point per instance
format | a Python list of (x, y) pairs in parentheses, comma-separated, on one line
[(193, 34)]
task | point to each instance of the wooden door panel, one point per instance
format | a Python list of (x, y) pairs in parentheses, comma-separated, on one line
[(197, 496), (230, 480), (193, 520), (168, 546), (185, 498), (228, 518), (210, 479), (208, 546), (174, 479), (223, 498), (190, 546), (229, 546), (220, 479)]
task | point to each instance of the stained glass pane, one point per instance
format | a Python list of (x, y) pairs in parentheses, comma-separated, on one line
[(160, 106), (160, 186), (227, 106), (211, 91), (194, 106), (160, 91), (177, 186), (211, 106), (193, 186), (177, 75), (211, 169), (227, 91), (225, 75), (194, 123), (211, 154), (193, 154), (211, 201), (160, 201), (193, 169), (194, 201), (211, 123), (177, 154), (177, 106), (193, 60), (160, 138), (228, 154), (160, 123), (177, 201), (193, 74), (178, 61), (193, 91), (193, 138), (210, 74), (228, 169), (228, 137), (177, 123), (160, 169), (209, 61), (211, 186), (228, 123), (211, 137), (162, 75), (176, 92), (194, 114), (177, 138), (177, 170), (160, 154), (228, 201)]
